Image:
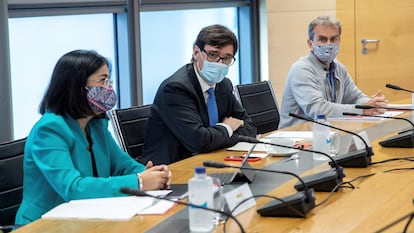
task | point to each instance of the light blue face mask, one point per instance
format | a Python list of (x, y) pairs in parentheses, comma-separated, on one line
[(213, 72), (326, 53)]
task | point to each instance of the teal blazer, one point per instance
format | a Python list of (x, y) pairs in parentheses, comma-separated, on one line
[(58, 165)]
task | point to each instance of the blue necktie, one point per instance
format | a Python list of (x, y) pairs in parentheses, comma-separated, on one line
[(212, 107)]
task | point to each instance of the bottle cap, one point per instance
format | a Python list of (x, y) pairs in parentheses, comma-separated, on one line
[(200, 170), (320, 116)]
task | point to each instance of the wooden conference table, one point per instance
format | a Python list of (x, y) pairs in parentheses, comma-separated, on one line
[(375, 202)]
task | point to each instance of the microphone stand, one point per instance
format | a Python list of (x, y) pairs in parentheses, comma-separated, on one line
[(284, 206), (356, 158), (324, 181), (387, 108), (139, 193), (388, 117), (404, 139)]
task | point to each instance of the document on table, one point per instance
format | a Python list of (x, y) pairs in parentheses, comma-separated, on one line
[(111, 208), (366, 118), (295, 135), (400, 106), (159, 207), (245, 146)]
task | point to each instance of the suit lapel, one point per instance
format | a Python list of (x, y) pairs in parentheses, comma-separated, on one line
[(200, 96)]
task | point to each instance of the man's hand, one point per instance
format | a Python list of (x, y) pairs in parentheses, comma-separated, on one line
[(377, 100), (234, 123)]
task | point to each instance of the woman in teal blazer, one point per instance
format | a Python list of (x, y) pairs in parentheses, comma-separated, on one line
[(69, 153)]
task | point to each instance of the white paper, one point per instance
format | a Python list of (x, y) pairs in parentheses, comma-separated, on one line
[(400, 105), (159, 193), (159, 207), (245, 146), (261, 155), (113, 208), (235, 196), (366, 118), (296, 135)]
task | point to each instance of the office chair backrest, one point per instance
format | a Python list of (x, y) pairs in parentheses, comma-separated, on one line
[(11, 179), (260, 103), (130, 125)]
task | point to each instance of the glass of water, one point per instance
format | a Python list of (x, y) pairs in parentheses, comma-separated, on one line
[(219, 201), (335, 143)]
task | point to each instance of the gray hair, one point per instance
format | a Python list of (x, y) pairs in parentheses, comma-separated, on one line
[(326, 21)]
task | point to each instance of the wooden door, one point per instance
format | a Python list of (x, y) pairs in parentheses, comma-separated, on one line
[(391, 60)]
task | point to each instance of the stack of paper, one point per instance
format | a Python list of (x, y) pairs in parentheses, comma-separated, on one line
[(115, 208), (380, 117), (297, 136), (112, 208)]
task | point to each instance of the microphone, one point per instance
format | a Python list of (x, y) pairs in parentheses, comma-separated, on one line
[(386, 108), (395, 87), (404, 139), (389, 108), (303, 201), (357, 158), (324, 181), (389, 117), (140, 193)]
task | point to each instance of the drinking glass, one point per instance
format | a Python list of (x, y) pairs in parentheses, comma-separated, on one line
[(277, 150), (219, 201), (335, 142)]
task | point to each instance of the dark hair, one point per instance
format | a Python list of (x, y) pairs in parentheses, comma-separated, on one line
[(217, 36), (66, 93)]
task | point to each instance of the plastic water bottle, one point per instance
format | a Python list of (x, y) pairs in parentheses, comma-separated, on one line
[(321, 138), (200, 192)]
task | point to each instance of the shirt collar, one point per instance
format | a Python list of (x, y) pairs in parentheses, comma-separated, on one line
[(316, 61)]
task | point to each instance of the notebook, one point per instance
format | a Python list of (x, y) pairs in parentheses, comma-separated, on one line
[(240, 175)]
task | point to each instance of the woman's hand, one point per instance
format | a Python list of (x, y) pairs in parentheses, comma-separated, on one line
[(156, 177)]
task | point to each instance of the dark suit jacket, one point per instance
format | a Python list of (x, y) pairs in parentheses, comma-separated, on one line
[(179, 124)]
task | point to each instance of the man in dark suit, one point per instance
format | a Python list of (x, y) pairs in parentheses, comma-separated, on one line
[(185, 120)]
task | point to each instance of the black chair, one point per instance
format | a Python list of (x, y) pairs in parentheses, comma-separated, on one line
[(130, 126), (260, 103), (11, 181)]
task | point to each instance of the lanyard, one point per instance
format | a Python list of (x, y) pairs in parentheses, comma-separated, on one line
[(331, 79)]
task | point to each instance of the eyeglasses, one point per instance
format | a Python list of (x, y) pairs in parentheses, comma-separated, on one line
[(104, 81), (215, 57)]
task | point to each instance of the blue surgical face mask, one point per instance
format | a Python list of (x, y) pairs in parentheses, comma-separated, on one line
[(326, 53), (213, 72)]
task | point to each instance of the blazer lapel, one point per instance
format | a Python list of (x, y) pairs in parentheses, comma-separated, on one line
[(201, 102)]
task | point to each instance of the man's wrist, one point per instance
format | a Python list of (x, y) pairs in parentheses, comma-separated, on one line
[(228, 128)]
